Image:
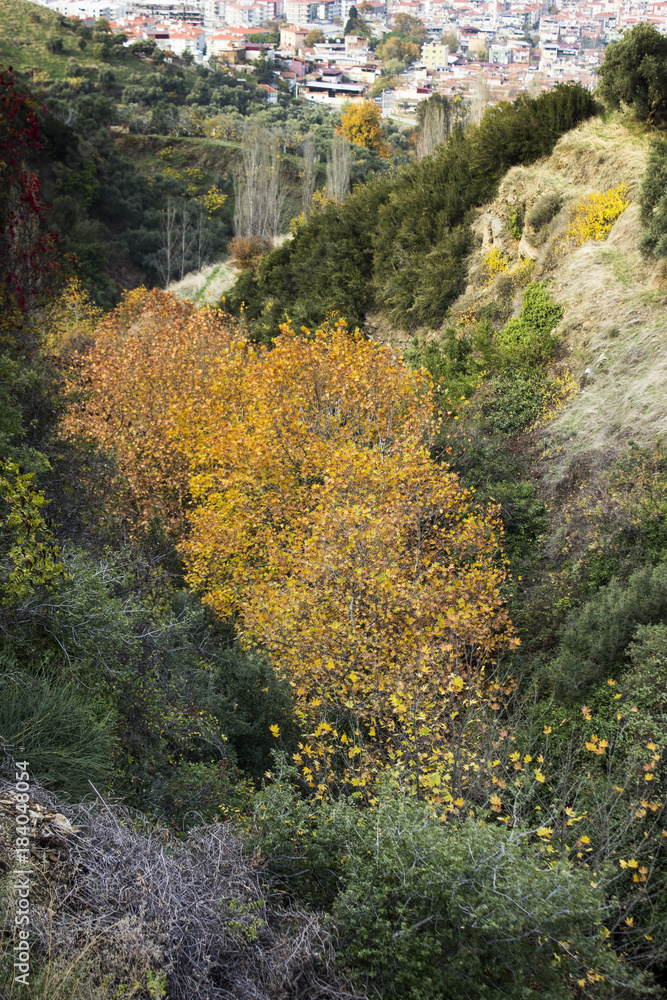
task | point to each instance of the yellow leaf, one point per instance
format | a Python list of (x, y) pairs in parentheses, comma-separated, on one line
[(539, 776), (275, 731)]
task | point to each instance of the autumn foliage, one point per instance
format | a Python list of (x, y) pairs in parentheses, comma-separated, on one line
[(315, 517), (361, 123), (151, 357), (362, 566)]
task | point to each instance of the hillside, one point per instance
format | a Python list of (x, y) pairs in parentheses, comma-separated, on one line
[(337, 670), (613, 324), (25, 30), (124, 133)]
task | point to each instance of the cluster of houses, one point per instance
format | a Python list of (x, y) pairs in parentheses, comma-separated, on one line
[(482, 50)]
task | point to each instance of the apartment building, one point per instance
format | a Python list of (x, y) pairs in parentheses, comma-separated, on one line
[(435, 56)]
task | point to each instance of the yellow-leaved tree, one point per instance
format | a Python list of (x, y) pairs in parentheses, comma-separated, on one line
[(361, 123), (362, 566), (151, 357), (298, 482)]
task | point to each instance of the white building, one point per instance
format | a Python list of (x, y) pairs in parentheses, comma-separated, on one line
[(300, 11), (249, 15)]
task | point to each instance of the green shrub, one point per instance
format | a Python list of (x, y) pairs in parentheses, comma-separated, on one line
[(595, 641), (530, 338), (67, 739), (438, 913), (522, 514), (305, 846), (498, 476), (515, 222), (644, 681), (653, 201), (451, 363), (54, 44), (241, 690), (194, 793), (516, 399)]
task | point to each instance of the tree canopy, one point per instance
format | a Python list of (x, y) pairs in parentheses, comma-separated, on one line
[(634, 72), (362, 566), (361, 123)]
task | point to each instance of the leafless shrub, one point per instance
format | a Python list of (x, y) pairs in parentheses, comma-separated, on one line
[(339, 165), (435, 129), (128, 898), (259, 186), (308, 173), (245, 252)]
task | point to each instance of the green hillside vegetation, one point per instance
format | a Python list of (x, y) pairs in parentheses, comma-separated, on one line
[(107, 189), (363, 646), (402, 243)]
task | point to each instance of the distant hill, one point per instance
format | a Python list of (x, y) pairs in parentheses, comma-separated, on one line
[(26, 29)]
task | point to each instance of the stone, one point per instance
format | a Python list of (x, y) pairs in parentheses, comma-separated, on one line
[(526, 250)]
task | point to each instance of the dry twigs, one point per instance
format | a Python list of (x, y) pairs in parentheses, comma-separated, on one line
[(127, 899)]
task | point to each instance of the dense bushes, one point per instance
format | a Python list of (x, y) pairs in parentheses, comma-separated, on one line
[(428, 911), (514, 357), (428, 915), (653, 201), (595, 641), (530, 339), (402, 244)]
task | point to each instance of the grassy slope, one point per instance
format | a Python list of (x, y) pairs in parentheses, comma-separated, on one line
[(24, 30), (614, 321)]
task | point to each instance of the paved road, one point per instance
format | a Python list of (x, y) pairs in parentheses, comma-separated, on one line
[(388, 102)]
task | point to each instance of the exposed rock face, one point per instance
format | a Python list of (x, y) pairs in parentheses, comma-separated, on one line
[(526, 250), (492, 230)]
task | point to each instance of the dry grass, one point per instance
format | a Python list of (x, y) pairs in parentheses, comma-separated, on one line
[(205, 287), (120, 908), (614, 327), (614, 330), (601, 154)]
